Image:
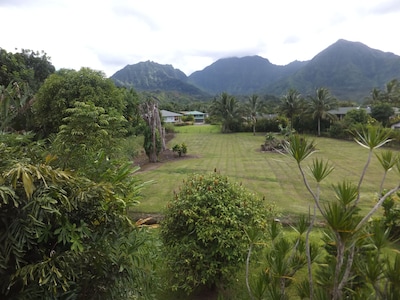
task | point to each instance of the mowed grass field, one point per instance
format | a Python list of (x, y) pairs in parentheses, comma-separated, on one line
[(273, 176)]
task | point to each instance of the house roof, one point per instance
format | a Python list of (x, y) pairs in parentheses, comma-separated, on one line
[(194, 112), (345, 110), (167, 113)]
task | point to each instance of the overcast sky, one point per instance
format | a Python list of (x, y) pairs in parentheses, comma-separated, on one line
[(107, 35)]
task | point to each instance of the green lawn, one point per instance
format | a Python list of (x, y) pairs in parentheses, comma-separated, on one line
[(270, 175)]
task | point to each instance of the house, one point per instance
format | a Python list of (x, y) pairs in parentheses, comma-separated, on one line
[(395, 126), (340, 112), (171, 117), (198, 116)]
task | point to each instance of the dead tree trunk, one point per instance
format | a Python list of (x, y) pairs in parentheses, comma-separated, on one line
[(151, 115), (160, 130)]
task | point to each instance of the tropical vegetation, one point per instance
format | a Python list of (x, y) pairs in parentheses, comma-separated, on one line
[(68, 191)]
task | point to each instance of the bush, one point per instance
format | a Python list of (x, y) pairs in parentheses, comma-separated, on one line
[(391, 215), (204, 230), (189, 118), (180, 149), (169, 128), (270, 125)]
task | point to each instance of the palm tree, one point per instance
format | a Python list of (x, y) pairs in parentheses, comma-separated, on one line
[(291, 105), (376, 95), (320, 105), (391, 94), (253, 108), (227, 109)]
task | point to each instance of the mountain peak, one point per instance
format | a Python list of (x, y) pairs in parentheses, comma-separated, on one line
[(349, 69)]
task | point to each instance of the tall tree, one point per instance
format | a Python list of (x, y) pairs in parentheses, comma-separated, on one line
[(391, 94), (62, 89), (253, 109), (376, 95), (291, 105), (86, 131), (319, 106), (14, 102), (227, 109), (382, 112), (21, 75), (26, 66), (132, 111), (392, 91)]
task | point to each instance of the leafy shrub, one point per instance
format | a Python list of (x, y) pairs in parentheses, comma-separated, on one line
[(189, 118), (179, 124), (391, 215), (204, 230), (270, 125), (180, 149), (339, 130)]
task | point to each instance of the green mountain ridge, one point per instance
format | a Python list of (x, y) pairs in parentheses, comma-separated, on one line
[(350, 70)]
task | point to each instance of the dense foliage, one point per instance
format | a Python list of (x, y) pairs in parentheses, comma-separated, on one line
[(64, 235), (62, 89), (204, 230), (64, 228), (21, 75), (227, 109), (27, 66)]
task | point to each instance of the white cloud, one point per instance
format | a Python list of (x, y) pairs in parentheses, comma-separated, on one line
[(109, 34)]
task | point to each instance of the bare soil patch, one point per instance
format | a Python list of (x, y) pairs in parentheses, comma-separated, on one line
[(168, 155)]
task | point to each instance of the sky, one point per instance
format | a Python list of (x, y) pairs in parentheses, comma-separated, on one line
[(107, 35)]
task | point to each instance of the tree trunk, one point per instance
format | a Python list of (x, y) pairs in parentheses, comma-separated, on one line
[(160, 129), (319, 126), (151, 115), (153, 153)]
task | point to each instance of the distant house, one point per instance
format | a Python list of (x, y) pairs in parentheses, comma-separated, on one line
[(199, 117), (395, 126), (171, 117), (342, 111)]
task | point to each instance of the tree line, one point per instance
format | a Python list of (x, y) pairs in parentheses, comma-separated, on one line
[(306, 114)]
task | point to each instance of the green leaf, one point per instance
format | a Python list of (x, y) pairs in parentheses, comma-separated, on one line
[(320, 170), (346, 192), (299, 148), (372, 137)]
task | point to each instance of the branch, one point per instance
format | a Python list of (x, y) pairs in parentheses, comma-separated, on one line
[(308, 254), (362, 177), (315, 197), (377, 205)]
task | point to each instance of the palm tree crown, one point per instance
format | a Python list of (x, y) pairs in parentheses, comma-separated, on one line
[(291, 104), (227, 109), (320, 105), (253, 109)]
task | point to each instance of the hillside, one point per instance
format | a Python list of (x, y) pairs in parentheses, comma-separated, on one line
[(240, 76), (350, 70), (151, 76)]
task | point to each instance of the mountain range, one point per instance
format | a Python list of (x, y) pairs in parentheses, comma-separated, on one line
[(350, 70)]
